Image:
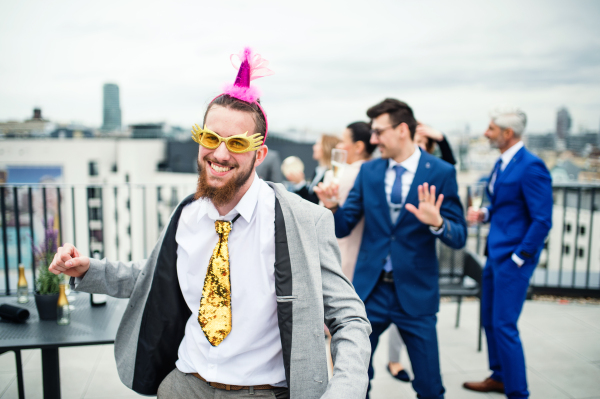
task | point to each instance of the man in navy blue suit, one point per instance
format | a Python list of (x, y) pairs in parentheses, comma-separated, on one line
[(396, 272), (520, 189)]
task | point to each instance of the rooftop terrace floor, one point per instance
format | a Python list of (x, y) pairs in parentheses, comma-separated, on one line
[(562, 347)]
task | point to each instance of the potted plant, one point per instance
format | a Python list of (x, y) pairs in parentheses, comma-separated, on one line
[(47, 283)]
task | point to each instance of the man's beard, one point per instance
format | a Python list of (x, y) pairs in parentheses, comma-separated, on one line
[(220, 196)]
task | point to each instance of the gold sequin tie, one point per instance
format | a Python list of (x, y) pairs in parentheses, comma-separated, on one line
[(214, 315)]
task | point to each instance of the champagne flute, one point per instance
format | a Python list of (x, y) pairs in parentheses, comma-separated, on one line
[(477, 195), (477, 191), (338, 162)]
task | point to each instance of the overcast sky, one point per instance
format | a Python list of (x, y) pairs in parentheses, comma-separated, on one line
[(451, 61)]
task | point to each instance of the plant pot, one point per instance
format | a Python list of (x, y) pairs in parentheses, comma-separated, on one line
[(46, 306)]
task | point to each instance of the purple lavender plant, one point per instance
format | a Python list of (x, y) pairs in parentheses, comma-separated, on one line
[(47, 283)]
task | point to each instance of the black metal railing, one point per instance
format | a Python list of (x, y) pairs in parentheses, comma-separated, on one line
[(123, 222), (570, 261), (117, 221)]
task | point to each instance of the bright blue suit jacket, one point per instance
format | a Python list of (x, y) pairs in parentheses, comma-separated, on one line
[(410, 243), (521, 209)]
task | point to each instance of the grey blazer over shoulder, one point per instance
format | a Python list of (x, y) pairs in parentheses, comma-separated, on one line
[(310, 288)]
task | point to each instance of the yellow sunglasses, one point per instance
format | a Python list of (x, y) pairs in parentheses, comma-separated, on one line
[(238, 144)]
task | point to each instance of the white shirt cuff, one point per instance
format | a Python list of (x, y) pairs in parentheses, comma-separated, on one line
[(517, 260), (439, 231), (486, 214)]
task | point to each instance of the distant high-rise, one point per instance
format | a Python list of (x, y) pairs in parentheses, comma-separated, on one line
[(563, 123), (112, 108)]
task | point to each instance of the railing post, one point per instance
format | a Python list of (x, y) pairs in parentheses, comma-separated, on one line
[(576, 249), (61, 238), (73, 212), (562, 237), (4, 240), (590, 232), (30, 206), (17, 224), (144, 220)]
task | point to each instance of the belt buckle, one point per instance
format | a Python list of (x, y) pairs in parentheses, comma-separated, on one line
[(387, 277)]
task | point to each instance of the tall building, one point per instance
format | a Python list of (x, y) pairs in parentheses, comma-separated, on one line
[(112, 108), (563, 123)]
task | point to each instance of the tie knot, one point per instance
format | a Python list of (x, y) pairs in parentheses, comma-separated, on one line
[(222, 226), (399, 170)]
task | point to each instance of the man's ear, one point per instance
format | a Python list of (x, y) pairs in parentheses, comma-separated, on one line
[(261, 154), (509, 133), (404, 130)]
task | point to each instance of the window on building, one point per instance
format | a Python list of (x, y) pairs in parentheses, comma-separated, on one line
[(93, 168), (582, 230), (581, 252), (568, 227), (566, 249)]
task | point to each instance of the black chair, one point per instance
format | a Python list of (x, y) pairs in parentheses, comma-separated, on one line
[(455, 267)]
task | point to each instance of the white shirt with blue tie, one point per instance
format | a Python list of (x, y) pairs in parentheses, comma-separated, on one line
[(410, 164), (505, 157)]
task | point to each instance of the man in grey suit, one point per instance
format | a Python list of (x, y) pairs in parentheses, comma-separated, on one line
[(244, 319)]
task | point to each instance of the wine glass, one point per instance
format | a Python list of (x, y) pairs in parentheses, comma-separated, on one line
[(477, 191), (338, 163)]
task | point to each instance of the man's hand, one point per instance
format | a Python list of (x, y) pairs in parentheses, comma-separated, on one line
[(428, 211), (69, 261), (326, 192), (295, 177), (475, 215), (428, 131)]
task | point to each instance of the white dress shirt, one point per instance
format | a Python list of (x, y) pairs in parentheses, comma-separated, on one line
[(506, 157), (251, 354), (410, 164)]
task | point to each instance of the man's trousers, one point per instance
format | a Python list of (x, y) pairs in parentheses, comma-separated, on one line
[(504, 289), (419, 335), (178, 385)]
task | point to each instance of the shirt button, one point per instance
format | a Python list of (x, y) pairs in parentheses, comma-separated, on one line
[(393, 238), (211, 366)]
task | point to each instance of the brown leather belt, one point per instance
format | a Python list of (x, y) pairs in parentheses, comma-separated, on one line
[(228, 387)]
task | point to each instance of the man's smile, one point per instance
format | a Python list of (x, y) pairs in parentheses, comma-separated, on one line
[(219, 170)]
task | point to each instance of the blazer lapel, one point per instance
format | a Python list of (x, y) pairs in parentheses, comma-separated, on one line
[(421, 176), (378, 184), (509, 168)]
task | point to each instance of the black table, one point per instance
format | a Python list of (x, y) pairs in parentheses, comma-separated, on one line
[(89, 326)]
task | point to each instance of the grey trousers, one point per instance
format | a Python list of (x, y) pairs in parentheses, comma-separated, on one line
[(395, 344), (178, 385)]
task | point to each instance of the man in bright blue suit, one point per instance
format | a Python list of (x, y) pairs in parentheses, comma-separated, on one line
[(520, 190), (396, 272)]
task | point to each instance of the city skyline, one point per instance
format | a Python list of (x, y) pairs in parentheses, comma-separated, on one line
[(451, 63)]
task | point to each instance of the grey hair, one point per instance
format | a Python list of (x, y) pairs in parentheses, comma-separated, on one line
[(510, 117)]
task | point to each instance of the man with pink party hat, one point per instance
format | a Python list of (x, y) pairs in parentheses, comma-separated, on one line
[(232, 299)]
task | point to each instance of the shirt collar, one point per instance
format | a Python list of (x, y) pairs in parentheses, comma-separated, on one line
[(411, 163), (245, 207), (510, 153)]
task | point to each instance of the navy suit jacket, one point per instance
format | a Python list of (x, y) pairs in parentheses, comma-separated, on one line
[(521, 209), (410, 243)]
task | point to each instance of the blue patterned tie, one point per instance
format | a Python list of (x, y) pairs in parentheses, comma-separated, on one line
[(496, 172), (396, 196)]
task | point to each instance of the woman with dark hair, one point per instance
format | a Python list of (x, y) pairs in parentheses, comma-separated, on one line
[(322, 154), (356, 141), (427, 137)]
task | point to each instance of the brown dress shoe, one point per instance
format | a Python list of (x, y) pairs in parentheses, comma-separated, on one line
[(487, 385)]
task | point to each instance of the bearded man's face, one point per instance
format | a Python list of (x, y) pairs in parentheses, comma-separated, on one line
[(221, 173)]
